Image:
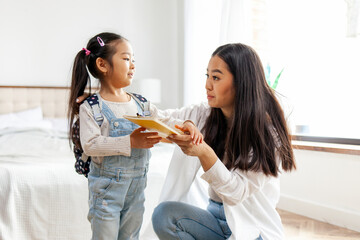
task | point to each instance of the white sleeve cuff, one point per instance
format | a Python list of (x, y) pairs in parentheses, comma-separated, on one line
[(124, 145), (217, 175)]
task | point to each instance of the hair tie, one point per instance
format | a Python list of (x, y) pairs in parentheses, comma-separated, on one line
[(100, 41), (87, 52)]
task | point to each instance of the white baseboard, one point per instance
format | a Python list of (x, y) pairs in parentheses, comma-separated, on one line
[(329, 214)]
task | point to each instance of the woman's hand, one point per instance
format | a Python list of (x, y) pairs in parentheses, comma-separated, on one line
[(187, 145), (141, 139), (204, 152), (190, 129)]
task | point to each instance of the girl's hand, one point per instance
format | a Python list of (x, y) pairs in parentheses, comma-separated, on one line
[(189, 128), (141, 139), (82, 97)]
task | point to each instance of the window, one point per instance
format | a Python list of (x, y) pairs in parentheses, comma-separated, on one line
[(317, 45)]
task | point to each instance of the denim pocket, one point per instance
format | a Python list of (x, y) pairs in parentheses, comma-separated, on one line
[(137, 184), (99, 186)]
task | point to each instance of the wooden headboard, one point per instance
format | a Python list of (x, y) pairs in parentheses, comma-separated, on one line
[(52, 100)]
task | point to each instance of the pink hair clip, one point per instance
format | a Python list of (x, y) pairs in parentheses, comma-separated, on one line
[(100, 41), (87, 52)]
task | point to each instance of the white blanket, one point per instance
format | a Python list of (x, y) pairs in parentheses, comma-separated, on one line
[(41, 195)]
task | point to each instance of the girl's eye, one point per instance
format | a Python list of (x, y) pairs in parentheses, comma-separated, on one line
[(127, 59), (215, 78), (133, 61)]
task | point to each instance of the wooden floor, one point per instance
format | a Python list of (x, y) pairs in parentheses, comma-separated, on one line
[(297, 227)]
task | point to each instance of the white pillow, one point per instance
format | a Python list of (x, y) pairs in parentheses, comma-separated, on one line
[(34, 114), (59, 124), (28, 118)]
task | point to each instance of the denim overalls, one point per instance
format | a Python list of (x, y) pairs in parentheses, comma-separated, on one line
[(116, 187)]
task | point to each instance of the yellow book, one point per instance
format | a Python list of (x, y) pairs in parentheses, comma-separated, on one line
[(153, 124)]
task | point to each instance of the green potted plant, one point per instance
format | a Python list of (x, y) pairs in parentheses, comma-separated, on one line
[(273, 84)]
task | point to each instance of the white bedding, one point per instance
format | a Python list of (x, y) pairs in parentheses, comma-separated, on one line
[(41, 195)]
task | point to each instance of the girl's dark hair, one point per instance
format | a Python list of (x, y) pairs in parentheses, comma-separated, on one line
[(82, 63), (258, 132)]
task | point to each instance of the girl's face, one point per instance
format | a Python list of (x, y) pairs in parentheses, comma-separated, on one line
[(219, 86), (123, 69)]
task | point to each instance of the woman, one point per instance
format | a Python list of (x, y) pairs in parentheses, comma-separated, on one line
[(246, 145)]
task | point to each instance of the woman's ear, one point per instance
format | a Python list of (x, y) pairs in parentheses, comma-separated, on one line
[(102, 65)]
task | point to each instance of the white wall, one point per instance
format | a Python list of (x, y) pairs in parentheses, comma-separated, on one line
[(326, 187), (39, 39)]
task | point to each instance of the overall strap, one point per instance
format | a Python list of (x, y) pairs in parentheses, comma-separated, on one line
[(93, 101), (142, 103)]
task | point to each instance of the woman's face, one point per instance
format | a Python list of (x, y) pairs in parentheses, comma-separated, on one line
[(219, 86)]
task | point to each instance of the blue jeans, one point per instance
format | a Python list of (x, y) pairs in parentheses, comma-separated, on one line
[(176, 220), (116, 188)]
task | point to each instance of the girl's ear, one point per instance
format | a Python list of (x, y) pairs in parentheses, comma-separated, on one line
[(102, 65)]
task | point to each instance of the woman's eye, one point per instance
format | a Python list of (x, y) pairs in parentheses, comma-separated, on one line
[(127, 59), (215, 78), (133, 61)]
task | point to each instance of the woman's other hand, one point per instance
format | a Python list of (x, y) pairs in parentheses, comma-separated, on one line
[(81, 98)]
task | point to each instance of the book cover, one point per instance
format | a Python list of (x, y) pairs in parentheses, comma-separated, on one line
[(153, 124)]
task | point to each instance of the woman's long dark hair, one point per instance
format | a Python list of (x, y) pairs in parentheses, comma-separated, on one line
[(258, 132), (82, 63)]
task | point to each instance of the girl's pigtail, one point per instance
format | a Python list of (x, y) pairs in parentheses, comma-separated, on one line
[(80, 79)]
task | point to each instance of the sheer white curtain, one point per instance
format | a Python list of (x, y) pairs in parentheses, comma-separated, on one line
[(353, 18), (236, 23), (209, 24)]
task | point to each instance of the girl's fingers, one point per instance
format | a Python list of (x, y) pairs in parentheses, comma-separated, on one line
[(154, 140), (140, 129), (151, 134)]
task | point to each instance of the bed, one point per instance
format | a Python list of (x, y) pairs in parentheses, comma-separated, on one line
[(41, 195)]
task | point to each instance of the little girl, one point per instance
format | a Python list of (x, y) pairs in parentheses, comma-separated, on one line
[(119, 149)]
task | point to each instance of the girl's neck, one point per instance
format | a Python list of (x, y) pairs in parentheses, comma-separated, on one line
[(114, 95)]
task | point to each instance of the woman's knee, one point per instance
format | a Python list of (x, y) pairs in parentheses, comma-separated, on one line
[(162, 211), (162, 215)]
